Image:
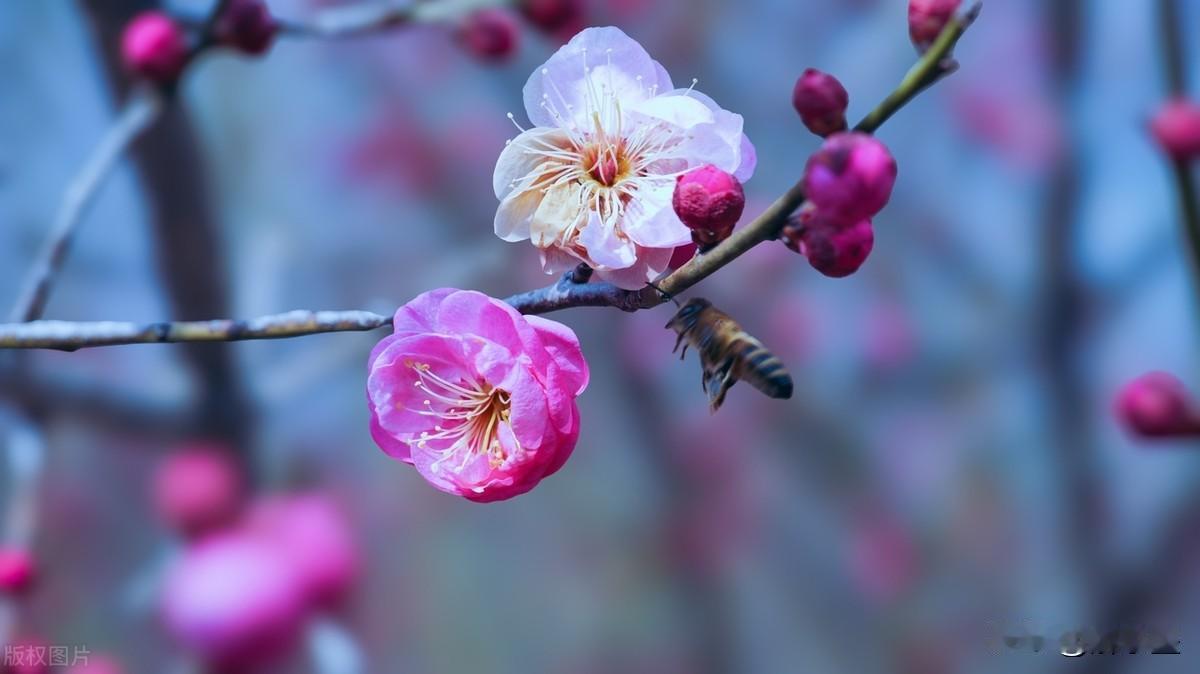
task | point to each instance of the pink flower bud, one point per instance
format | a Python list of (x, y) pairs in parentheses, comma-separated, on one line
[(927, 18), (832, 247), (551, 15), (234, 600), (316, 537), (247, 26), (851, 177), (154, 47), (490, 34), (198, 489), (821, 101), (710, 202), (1157, 405), (17, 570), (1176, 127)]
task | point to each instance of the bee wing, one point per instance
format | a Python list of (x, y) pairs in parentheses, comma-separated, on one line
[(717, 383)]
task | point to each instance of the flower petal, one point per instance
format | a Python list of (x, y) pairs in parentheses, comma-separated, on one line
[(605, 246), (650, 218), (521, 157), (596, 63), (560, 210)]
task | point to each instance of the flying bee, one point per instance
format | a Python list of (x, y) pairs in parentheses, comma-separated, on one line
[(727, 353)]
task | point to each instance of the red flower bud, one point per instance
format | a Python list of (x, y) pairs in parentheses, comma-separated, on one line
[(551, 15), (927, 18), (154, 47), (1176, 127), (709, 199), (17, 570), (247, 26), (851, 177), (833, 247), (821, 101), (1156, 405), (490, 34)]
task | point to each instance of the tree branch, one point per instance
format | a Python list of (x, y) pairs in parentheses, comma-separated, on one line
[(139, 113), (1176, 75), (567, 292)]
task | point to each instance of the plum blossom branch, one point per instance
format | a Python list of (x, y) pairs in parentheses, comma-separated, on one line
[(138, 114), (571, 290), (69, 336)]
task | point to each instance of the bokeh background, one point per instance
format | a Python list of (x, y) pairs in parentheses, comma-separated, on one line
[(949, 469)]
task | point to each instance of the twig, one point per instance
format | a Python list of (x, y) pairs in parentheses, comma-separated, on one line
[(369, 18), (139, 112), (565, 293), (69, 336)]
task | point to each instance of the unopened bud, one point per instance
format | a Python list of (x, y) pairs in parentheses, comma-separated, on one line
[(1158, 405), (154, 47), (851, 177), (247, 26), (1176, 127), (833, 247), (490, 34), (821, 101), (927, 19)]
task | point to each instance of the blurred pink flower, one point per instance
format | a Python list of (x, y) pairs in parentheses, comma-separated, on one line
[(153, 46), (234, 599), (490, 34), (315, 535), (197, 489), (592, 181), (883, 556), (1157, 404), (17, 570), (480, 399)]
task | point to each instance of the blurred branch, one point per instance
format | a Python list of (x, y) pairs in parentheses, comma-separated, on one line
[(1175, 71), (370, 18), (144, 106), (565, 293), (138, 114)]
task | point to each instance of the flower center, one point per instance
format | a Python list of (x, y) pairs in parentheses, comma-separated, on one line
[(470, 414)]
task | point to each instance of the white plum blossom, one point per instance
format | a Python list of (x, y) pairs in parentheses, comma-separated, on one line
[(592, 180)]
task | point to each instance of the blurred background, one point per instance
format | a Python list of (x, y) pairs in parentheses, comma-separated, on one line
[(949, 470)]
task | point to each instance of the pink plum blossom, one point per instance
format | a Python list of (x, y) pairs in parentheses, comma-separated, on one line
[(315, 535), (552, 15), (851, 177), (477, 397), (234, 600), (592, 181)]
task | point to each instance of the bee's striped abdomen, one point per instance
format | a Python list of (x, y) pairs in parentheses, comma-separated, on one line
[(762, 369)]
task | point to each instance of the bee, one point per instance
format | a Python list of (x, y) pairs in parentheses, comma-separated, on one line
[(727, 353)]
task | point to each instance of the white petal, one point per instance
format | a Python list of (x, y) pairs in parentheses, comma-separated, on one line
[(605, 246), (515, 214), (522, 156), (650, 218), (728, 127), (559, 209), (680, 111), (650, 263), (562, 83)]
